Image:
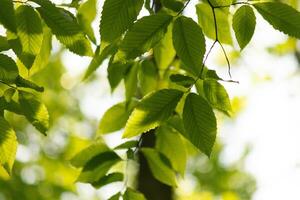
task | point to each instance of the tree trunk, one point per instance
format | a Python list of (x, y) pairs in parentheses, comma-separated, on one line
[(147, 184)]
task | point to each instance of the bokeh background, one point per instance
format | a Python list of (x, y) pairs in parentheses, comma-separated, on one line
[(258, 152)]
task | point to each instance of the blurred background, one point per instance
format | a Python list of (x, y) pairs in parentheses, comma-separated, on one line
[(257, 156)]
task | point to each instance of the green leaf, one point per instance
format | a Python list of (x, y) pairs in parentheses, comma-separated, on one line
[(43, 57), (206, 21), (117, 17), (86, 15), (174, 5), (114, 118), (116, 72), (243, 24), (8, 94), (8, 69), (148, 77), (110, 178), (127, 145), (65, 27), (4, 45), (131, 194), (154, 109), (164, 52), (189, 43), (116, 196), (144, 34), (185, 81), (221, 2), (22, 82), (8, 145), (7, 15), (281, 16), (81, 158), (98, 166), (35, 111), (30, 33), (199, 123), (99, 57), (169, 143), (159, 166), (131, 81), (217, 96)]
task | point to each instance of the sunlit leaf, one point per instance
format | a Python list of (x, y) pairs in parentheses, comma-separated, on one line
[(206, 21), (170, 144), (217, 95), (86, 15), (131, 194), (65, 27), (114, 118), (159, 166), (154, 109), (30, 33), (8, 145), (148, 77), (164, 52)]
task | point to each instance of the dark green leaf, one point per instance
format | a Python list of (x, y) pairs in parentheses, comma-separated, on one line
[(81, 158), (8, 146), (7, 15), (159, 166), (185, 81), (281, 16), (98, 166), (173, 5), (116, 196), (243, 24), (65, 27), (99, 57), (4, 45), (8, 69), (127, 145), (21, 82), (189, 43), (117, 17), (199, 123), (110, 178), (154, 109), (35, 111), (144, 34), (116, 72)]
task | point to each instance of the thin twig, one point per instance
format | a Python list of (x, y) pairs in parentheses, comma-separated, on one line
[(182, 9), (3, 82), (227, 59), (236, 3)]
